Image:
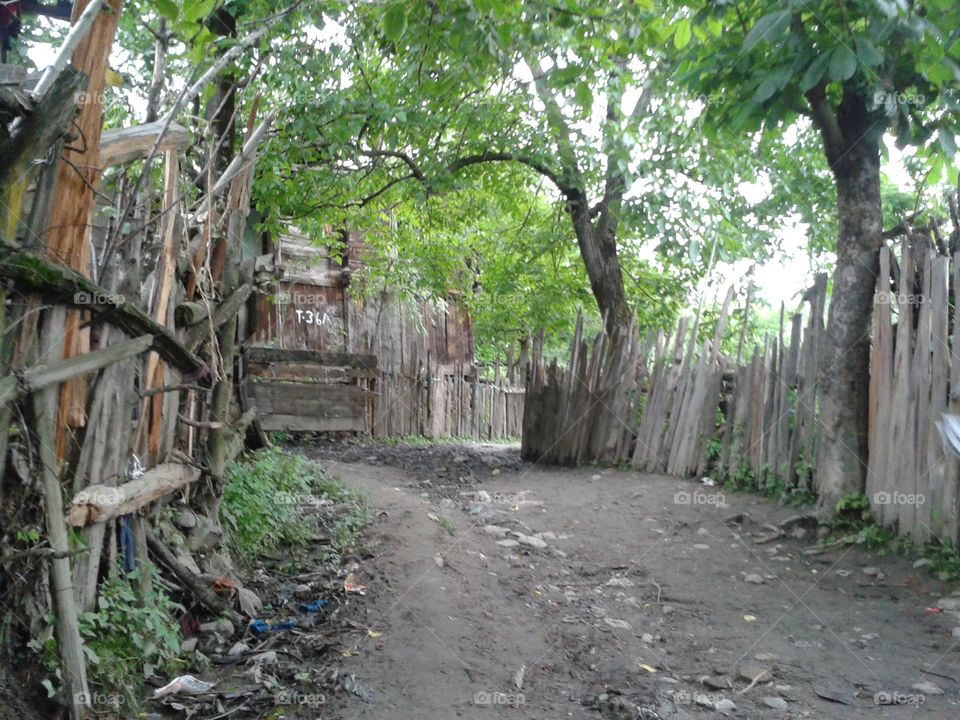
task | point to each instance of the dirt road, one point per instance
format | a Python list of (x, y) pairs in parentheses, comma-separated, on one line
[(547, 593)]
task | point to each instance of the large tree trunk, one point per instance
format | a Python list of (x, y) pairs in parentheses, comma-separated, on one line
[(845, 359), (598, 249)]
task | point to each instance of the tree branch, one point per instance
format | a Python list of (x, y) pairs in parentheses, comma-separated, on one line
[(826, 121)]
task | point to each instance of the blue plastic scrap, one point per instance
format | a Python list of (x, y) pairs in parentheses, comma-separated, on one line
[(315, 606), (260, 627)]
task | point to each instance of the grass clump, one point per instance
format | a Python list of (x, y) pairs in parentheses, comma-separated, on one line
[(269, 499)]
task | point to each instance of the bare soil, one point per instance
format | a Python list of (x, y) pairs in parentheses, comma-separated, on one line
[(628, 597)]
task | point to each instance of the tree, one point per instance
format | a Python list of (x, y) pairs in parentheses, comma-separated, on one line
[(435, 96), (856, 70)]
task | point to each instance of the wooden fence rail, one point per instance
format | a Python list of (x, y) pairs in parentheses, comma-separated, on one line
[(673, 403)]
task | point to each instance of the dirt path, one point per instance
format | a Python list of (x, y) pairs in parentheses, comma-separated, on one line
[(642, 603)]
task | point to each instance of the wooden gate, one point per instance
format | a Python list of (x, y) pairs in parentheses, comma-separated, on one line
[(303, 390)]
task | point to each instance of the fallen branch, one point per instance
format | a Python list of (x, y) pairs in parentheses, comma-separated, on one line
[(194, 584), (226, 311), (132, 143), (34, 272), (37, 378), (99, 503), (44, 552)]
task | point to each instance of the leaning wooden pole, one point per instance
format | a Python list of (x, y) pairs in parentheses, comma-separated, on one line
[(68, 228), (69, 641)]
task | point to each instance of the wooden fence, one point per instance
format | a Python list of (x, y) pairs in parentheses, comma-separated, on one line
[(673, 403)]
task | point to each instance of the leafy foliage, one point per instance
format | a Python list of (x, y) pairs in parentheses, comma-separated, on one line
[(126, 640), (263, 501)]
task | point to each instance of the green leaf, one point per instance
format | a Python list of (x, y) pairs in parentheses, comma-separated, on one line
[(771, 84), (843, 64), (766, 29), (167, 8), (681, 37), (947, 142), (867, 52), (815, 72), (395, 22)]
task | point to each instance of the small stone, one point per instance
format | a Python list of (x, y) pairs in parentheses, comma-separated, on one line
[(927, 688), (621, 582), (716, 682), (775, 703), (754, 579), (189, 645), (530, 541), (667, 609), (495, 530), (617, 624), (922, 562), (646, 638), (724, 706), (222, 626), (755, 673), (238, 649), (949, 603), (185, 519), (303, 590), (871, 571), (701, 546), (703, 532), (956, 632), (596, 477), (508, 543)]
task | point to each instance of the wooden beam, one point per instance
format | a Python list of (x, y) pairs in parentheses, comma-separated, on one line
[(40, 130), (99, 503), (126, 144), (37, 378), (33, 272), (225, 311)]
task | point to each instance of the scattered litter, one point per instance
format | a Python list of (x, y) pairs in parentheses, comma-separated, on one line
[(518, 677), (707, 481), (352, 585), (184, 685), (927, 688), (373, 633), (438, 559), (618, 624), (649, 669), (261, 627), (754, 579), (352, 685), (315, 606), (750, 618), (620, 581)]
